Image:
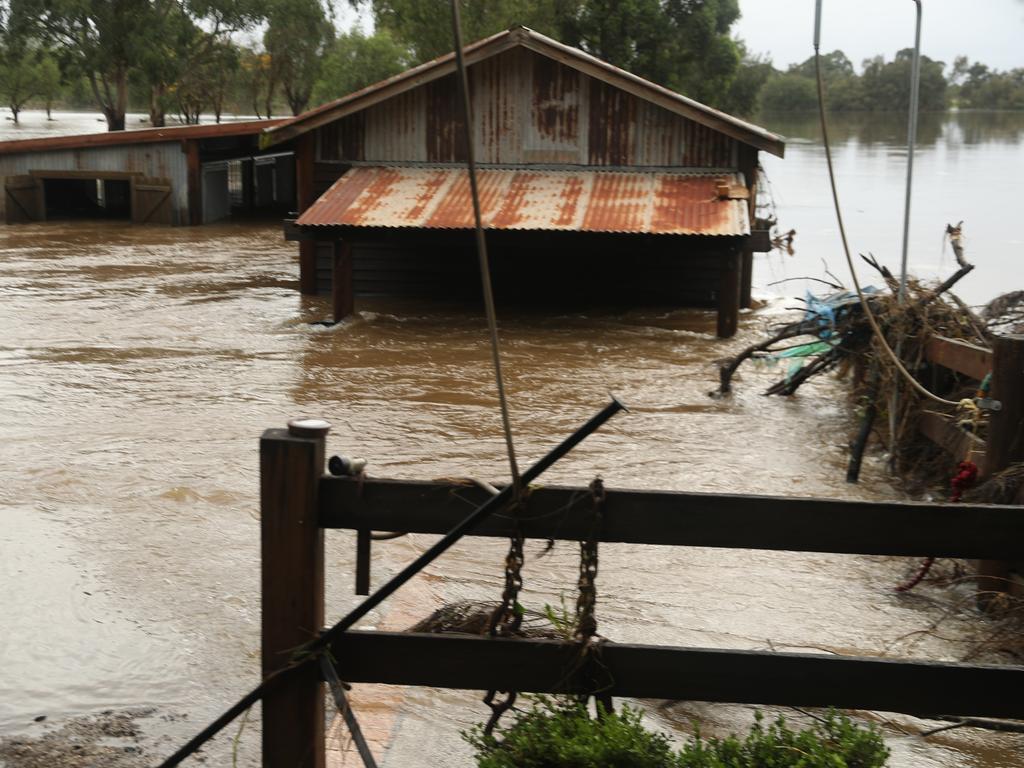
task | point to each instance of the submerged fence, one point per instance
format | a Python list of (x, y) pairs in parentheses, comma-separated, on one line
[(299, 501)]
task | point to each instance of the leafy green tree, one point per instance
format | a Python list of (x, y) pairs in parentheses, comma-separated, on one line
[(975, 86), (109, 41), (256, 81), (297, 35), (789, 92), (96, 38), (424, 26), (49, 80), (354, 61), (19, 79), (683, 44), (744, 94), (887, 84)]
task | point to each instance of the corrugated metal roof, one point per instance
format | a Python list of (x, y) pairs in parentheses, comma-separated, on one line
[(576, 201), (138, 136)]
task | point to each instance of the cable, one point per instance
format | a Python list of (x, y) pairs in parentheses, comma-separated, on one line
[(481, 246), (914, 383)]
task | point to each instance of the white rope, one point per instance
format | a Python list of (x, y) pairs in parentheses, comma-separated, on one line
[(481, 243), (914, 383)]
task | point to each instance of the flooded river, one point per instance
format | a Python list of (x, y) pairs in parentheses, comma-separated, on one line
[(139, 366)]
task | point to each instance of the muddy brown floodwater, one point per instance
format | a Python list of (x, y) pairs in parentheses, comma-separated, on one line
[(139, 366)]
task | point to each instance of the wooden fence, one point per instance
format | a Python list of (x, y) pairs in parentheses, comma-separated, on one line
[(299, 501), (1005, 442)]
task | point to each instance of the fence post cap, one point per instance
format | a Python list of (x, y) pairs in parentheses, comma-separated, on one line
[(308, 427)]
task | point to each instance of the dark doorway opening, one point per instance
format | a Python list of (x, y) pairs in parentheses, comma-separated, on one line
[(87, 198)]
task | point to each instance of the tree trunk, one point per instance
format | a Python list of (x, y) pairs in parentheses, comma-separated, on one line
[(15, 109), (115, 112), (157, 114)]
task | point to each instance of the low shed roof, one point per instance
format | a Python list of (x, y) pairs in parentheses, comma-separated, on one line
[(140, 136), (564, 200)]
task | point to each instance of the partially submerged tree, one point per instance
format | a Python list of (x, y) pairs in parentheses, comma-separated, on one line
[(297, 35), (19, 65), (49, 80)]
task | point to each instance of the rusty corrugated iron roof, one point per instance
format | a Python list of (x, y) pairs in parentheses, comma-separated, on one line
[(572, 201)]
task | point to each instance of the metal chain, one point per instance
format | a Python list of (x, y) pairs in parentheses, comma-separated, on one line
[(508, 616), (586, 620)]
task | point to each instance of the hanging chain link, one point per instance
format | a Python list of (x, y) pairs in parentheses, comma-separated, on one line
[(586, 619)]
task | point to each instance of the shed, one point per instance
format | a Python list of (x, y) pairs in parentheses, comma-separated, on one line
[(596, 184), (179, 175)]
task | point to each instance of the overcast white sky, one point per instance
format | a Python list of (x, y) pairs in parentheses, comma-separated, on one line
[(990, 31)]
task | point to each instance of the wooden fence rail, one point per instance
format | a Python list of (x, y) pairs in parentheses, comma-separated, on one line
[(298, 501), (692, 674)]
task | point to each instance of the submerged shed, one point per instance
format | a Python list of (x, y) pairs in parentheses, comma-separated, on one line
[(597, 186), (179, 175)]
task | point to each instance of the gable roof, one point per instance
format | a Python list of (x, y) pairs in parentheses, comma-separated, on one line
[(524, 37)]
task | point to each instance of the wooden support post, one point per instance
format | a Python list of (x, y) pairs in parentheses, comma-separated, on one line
[(342, 290), (748, 167), (1005, 444), (305, 156), (729, 294), (747, 277), (195, 183), (292, 551)]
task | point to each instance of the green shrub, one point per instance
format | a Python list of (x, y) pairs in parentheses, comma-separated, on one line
[(556, 734), (833, 743)]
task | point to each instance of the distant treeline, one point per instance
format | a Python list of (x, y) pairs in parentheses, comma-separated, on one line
[(885, 85), (182, 58)]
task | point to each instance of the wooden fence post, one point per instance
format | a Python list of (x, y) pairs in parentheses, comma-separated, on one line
[(1005, 444), (292, 576)]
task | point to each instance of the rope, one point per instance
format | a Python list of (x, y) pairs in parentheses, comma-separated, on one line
[(914, 383), (481, 246)]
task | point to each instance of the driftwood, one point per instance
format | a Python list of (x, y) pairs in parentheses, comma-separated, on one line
[(906, 325), (852, 330)]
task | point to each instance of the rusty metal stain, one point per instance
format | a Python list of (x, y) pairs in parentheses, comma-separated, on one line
[(588, 201)]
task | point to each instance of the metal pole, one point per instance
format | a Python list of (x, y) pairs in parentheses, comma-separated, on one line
[(915, 81)]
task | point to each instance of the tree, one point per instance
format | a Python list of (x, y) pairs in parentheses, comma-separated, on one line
[(682, 44), (424, 26), (297, 34), (354, 61), (109, 41), (256, 77), (743, 96), (789, 92), (887, 84), (97, 38), (49, 79), (19, 61)]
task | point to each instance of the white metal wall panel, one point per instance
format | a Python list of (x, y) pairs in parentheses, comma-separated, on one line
[(160, 160)]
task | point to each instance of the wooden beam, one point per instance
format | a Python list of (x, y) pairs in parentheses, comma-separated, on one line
[(292, 584), (689, 674), (968, 359), (949, 437), (686, 519), (113, 175)]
